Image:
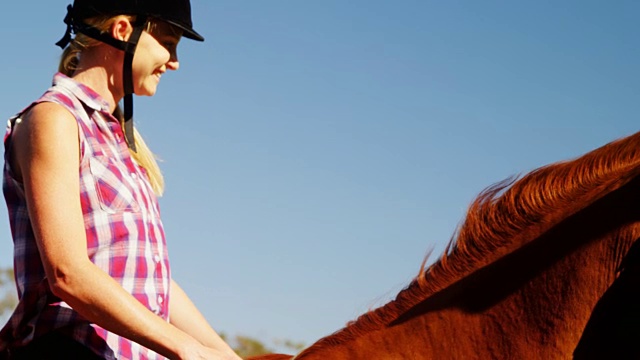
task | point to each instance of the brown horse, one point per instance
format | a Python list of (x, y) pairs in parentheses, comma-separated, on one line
[(523, 274)]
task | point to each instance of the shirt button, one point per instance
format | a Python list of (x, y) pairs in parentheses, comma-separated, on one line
[(134, 175), (160, 299), (156, 258)]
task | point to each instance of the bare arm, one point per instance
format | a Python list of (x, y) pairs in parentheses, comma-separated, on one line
[(46, 157), (185, 316)]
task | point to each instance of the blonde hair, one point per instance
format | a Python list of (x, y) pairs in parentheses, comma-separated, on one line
[(68, 65)]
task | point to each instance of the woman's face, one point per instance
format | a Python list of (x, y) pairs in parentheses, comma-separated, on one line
[(155, 54)]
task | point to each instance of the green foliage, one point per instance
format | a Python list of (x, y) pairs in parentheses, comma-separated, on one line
[(246, 346), (6, 276), (8, 300), (291, 345)]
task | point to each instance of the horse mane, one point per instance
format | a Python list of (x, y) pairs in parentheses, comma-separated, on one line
[(504, 217)]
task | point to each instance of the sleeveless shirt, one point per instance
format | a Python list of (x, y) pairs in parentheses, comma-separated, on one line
[(125, 236)]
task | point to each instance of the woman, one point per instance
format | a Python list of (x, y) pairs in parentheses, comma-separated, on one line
[(90, 257)]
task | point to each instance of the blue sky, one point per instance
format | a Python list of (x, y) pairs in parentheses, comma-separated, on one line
[(314, 151)]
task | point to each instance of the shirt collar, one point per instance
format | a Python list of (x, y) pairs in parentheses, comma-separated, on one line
[(84, 93)]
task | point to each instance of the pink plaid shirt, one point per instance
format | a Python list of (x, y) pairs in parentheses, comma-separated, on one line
[(125, 237)]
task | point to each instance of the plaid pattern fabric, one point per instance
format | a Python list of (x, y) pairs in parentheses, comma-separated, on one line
[(125, 237)]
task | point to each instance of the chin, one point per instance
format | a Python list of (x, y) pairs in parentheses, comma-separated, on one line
[(146, 92), (146, 88)]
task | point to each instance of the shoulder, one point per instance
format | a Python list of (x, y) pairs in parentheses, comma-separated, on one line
[(46, 123), (47, 131)]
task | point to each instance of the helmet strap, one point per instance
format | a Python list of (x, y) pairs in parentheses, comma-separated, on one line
[(127, 80), (129, 48)]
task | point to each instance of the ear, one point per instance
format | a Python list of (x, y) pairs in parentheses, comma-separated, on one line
[(121, 28)]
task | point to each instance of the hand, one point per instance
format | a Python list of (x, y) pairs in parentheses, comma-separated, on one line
[(228, 355), (204, 353)]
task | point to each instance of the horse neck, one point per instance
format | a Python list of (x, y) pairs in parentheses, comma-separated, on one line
[(532, 303), (540, 320)]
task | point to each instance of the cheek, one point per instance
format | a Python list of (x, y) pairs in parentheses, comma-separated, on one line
[(157, 54), (140, 61), (139, 71), (163, 55), (150, 56), (143, 66)]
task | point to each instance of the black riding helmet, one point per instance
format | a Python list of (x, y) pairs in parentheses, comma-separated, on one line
[(174, 12)]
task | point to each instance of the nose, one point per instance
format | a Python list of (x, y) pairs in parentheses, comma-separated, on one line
[(173, 64)]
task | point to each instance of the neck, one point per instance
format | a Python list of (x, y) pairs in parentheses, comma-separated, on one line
[(101, 72)]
